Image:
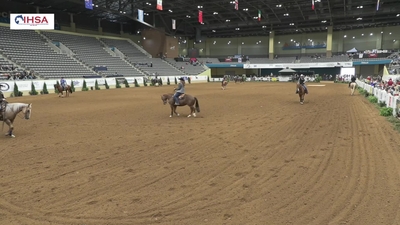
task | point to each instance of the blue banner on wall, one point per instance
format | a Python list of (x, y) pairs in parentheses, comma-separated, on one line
[(372, 62), (89, 4), (225, 65)]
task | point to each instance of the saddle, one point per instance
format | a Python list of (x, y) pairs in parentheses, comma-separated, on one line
[(181, 96)]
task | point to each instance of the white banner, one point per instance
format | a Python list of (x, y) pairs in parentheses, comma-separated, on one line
[(298, 65), (37, 21), (111, 81)]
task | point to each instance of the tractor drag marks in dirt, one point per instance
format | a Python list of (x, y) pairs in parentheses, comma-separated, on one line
[(253, 155)]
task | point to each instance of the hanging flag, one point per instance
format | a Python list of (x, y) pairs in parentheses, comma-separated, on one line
[(140, 15), (159, 5), (173, 24), (377, 5), (200, 16), (259, 15), (237, 4), (313, 4)]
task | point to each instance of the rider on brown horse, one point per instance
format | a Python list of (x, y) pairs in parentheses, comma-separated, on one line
[(180, 90), (63, 83), (302, 82)]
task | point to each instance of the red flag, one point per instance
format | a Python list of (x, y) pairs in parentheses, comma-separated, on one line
[(312, 5), (237, 4), (200, 16), (159, 5)]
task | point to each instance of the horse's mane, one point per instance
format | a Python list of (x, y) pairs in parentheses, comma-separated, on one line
[(16, 106)]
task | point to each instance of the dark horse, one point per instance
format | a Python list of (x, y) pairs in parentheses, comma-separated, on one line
[(188, 100), (302, 92), (61, 90)]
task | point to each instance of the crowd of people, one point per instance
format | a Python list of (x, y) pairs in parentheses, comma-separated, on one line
[(9, 72), (391, 86)]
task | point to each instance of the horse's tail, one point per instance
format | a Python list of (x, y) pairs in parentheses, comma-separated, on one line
[(197, 105)]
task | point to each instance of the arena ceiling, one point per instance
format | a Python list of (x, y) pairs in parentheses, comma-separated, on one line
[(222, 20)]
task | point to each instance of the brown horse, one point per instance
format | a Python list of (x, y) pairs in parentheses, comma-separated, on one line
[(302, 93), (188, 100), (61, 90), (224, 84)]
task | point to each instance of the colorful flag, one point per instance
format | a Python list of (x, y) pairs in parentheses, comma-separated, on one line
[(200, 16), (237, 4), (173, 24), (159, 5), (140, 15), (377, 5), (313, 4), (259, 15)]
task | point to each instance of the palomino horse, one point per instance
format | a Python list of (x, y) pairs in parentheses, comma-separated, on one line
[(353, 88), (61, 90), (224, 84), (188, 100), (11, 110), (302, 93)]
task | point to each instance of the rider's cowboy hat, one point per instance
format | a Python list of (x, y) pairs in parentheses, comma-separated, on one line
[(181, 78)]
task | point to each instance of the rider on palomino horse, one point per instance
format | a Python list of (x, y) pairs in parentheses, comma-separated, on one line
[(302, 81), (63, 83), (353, 80), (180, 90)]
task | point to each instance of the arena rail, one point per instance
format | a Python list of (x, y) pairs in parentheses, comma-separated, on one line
[(382, 95), (26, 85)]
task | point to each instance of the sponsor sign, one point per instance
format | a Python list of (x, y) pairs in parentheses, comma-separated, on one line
[(39, 21)]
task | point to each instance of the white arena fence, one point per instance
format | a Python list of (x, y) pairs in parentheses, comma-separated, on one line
[(25, 85), (382, 95)]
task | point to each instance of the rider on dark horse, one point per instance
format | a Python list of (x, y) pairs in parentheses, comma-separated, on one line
[(302, 82), (63, 83), (180, 90), (353, 80)]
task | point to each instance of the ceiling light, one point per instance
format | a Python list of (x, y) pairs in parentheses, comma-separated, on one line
[(390, 33), (246, 9), (264, 26), (286, 14), (371, 34), (360, 7), (359, 18), (237, 28), (242, 43), (291, 24), (228, 20), (362, 34), (169, 10), (214, 42), (213, 31), (394, 40), (199, 6), (345, 36), (354, 37), (323, 21), (398, 15), (215, 13), (187, 16), (279, 42), (255, 17), (278, 6)]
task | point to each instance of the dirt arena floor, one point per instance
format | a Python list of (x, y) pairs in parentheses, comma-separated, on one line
[(253, 156)]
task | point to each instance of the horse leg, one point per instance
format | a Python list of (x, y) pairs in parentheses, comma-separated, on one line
[(175, 110), (11, 128), (172, 111)]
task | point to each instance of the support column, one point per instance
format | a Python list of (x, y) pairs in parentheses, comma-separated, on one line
[(121, 29), (71, 22), (379, 40), (271, 44), (37, 10), (99, 26), (329, 35), (239, 45)]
